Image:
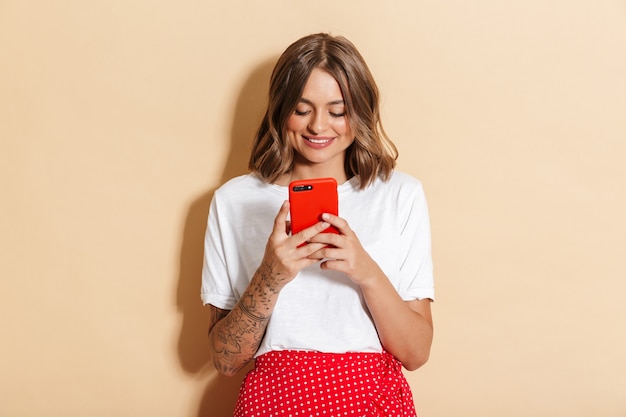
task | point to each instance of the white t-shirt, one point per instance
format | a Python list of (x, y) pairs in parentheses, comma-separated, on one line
[(319, 310)]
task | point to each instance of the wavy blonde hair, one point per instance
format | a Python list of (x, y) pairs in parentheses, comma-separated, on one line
[(371, 155)]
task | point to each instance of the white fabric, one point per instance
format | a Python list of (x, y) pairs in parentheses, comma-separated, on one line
[(319, 310)]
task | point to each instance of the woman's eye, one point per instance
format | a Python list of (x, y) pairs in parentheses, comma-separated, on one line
[(337, 114), (302, 112)]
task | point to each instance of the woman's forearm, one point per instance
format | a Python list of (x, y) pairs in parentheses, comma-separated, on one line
[(404, 327), (235, 338)]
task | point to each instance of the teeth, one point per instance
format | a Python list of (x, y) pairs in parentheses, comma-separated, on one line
[(319, 141)]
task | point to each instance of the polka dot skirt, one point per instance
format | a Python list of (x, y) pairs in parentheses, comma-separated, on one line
[(298, 383)]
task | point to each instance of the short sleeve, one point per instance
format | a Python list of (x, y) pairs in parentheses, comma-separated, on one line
[(416, 265), (216, 286)]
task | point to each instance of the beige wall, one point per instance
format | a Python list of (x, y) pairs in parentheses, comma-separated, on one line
[(119, 118)]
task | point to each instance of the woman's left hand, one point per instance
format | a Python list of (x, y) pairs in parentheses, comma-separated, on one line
[(344, 252), (404, 327)]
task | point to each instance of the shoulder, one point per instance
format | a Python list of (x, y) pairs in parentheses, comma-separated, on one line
[(399, 182), (243, 187), (248, 195), (404, 179), (401, 190), (242, 182)]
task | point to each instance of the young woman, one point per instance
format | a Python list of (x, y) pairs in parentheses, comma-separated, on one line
[(329, 323)]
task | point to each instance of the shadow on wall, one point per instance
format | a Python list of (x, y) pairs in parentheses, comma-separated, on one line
[(221, 393)]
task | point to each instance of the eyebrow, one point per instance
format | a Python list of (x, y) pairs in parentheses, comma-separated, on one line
[(331, 103)]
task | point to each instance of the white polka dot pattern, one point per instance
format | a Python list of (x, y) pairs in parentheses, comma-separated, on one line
[(298, 383)]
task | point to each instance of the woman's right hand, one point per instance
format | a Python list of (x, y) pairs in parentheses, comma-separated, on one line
[(284, 257)]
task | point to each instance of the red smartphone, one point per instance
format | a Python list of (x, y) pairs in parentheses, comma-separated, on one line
[(309, 199)]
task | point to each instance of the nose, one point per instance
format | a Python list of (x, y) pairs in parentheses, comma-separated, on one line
[(318, 123)]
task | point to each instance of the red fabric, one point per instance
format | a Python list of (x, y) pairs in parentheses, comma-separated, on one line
[(295, 383)]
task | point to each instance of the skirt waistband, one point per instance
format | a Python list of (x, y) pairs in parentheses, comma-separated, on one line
[(302, 358)]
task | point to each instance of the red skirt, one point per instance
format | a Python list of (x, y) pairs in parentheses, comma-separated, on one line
[(297, 383)]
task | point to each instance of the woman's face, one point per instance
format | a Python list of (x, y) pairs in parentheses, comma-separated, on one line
[(318, 129)]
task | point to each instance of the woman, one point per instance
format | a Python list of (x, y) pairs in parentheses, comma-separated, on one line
[(329, 323)]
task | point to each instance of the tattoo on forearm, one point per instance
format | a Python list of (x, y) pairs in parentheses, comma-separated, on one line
[(245, 310), (239, 336), (268, 279)]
